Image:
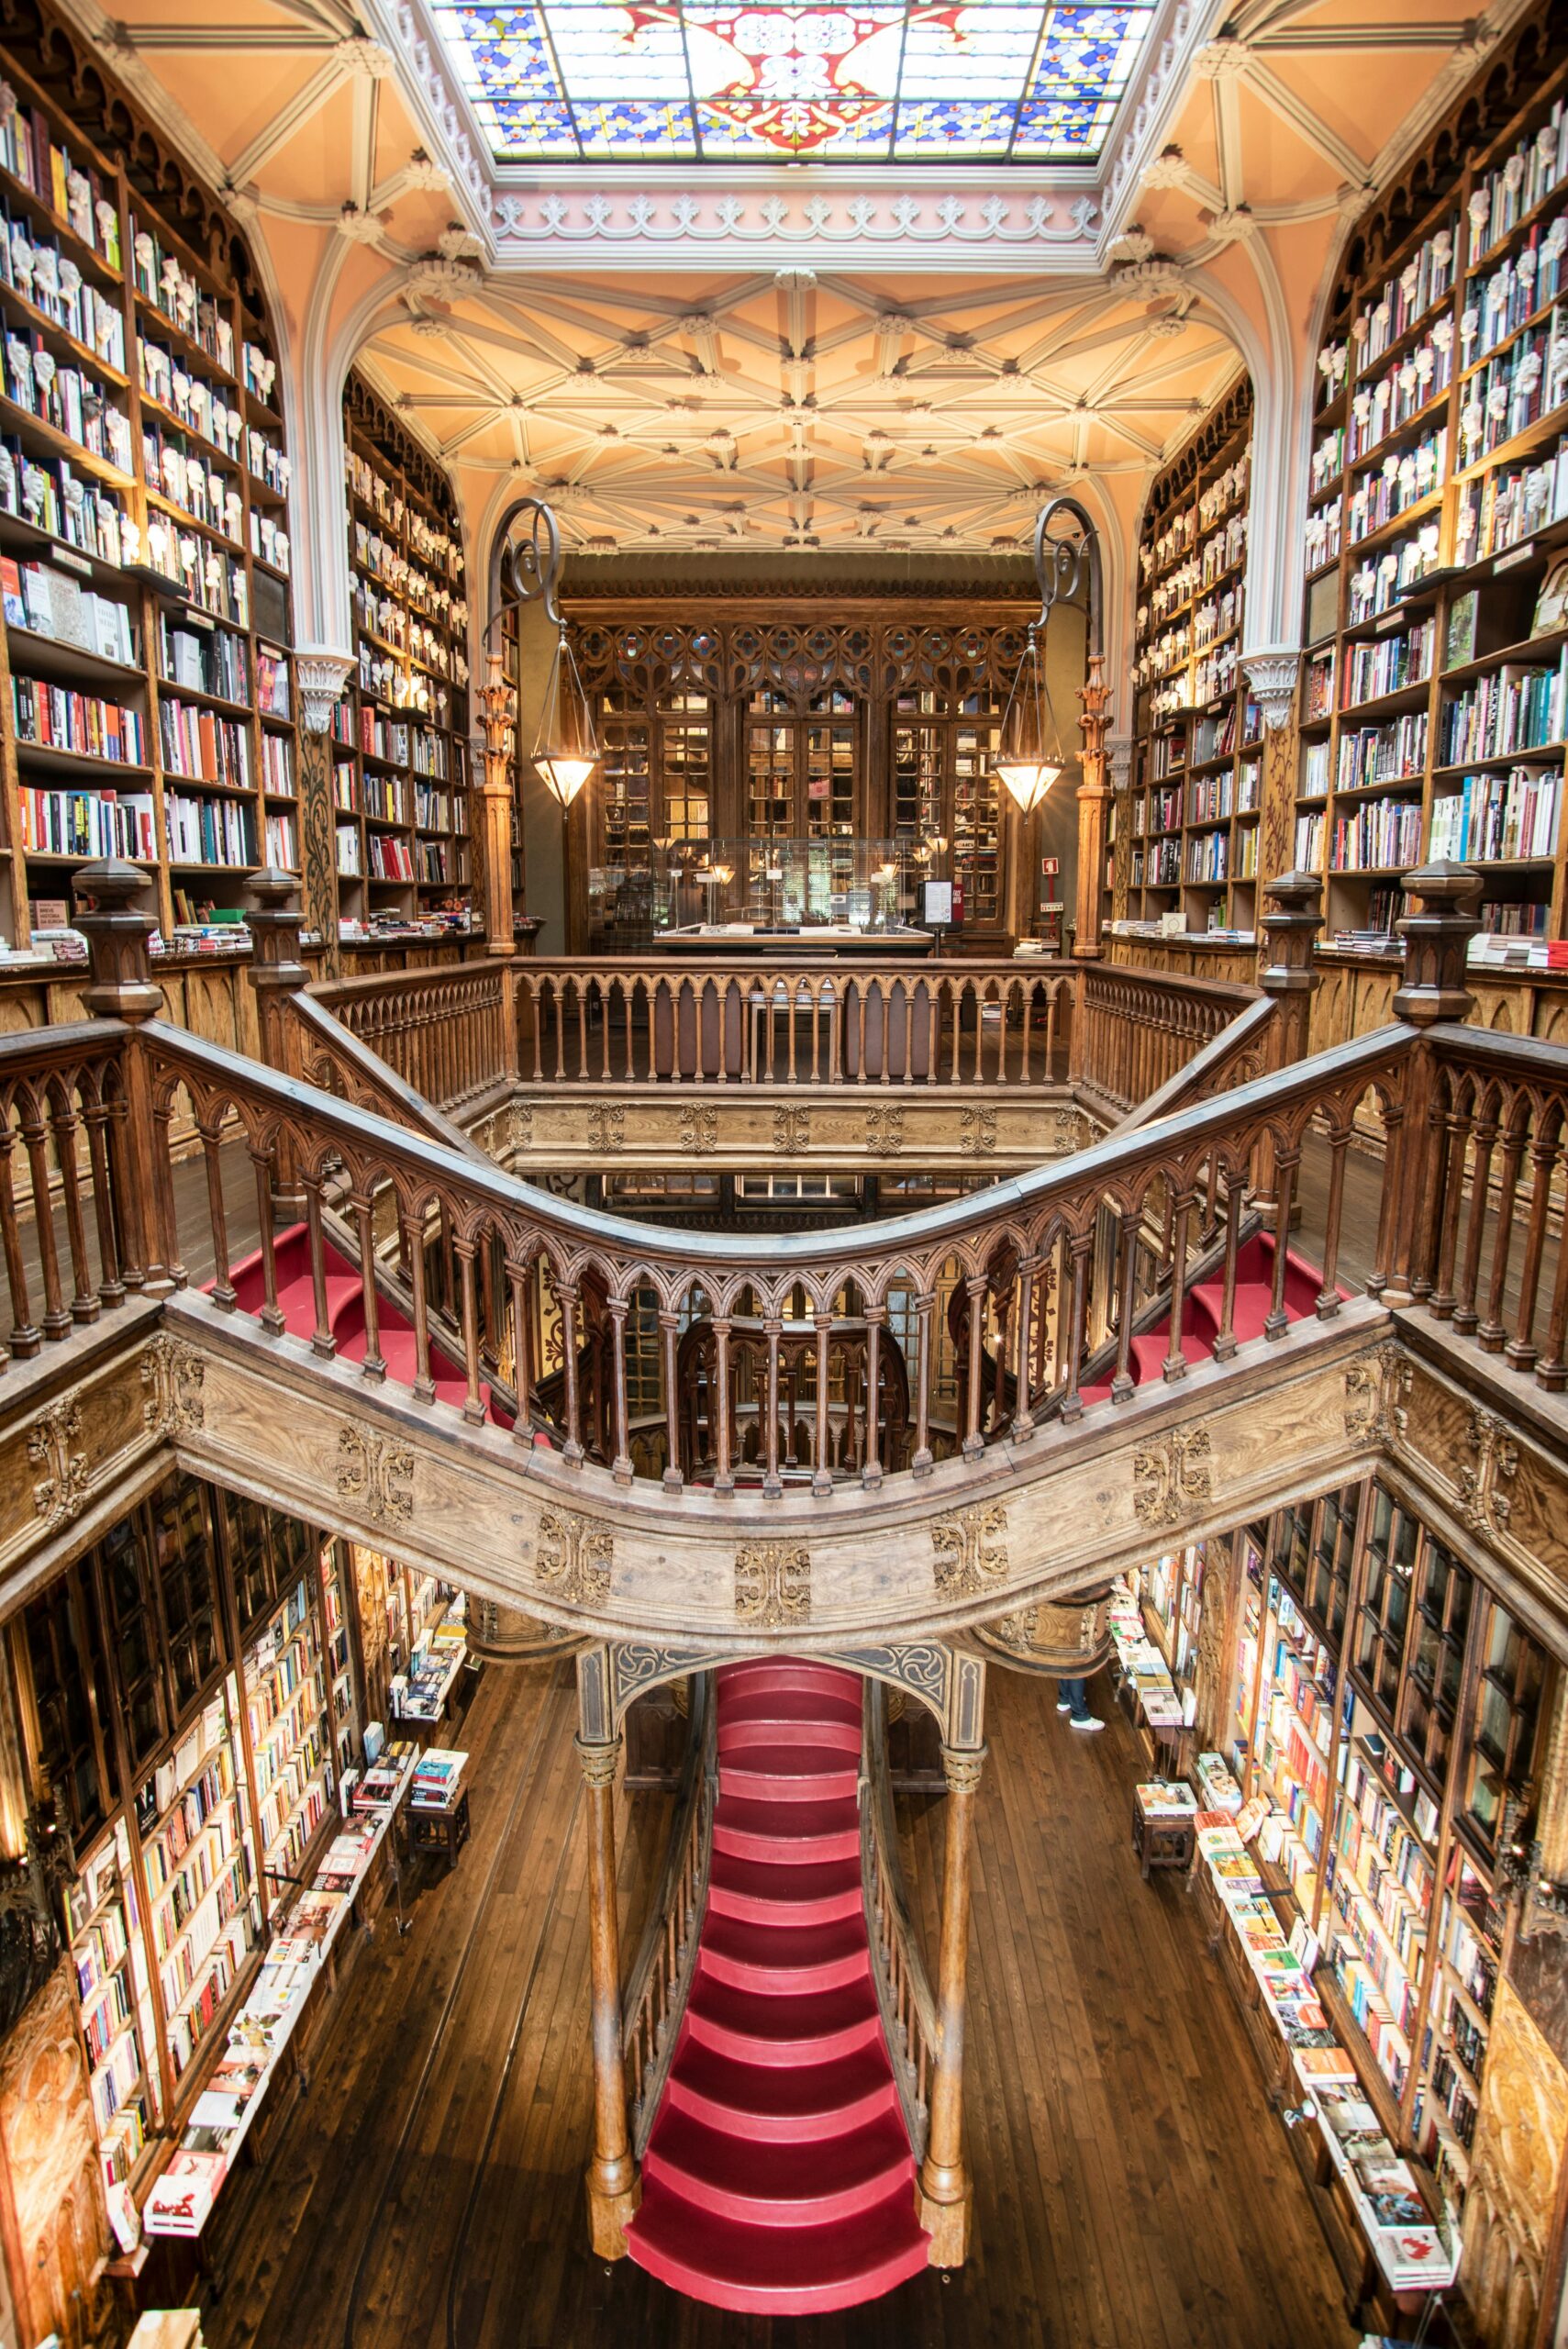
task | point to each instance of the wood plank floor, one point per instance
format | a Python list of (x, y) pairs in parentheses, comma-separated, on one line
[(1130, 2186)]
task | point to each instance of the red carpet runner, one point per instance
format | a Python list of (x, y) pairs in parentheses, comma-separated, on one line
[(779, 2178)]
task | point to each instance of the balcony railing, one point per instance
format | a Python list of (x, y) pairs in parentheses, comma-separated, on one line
[(1053, 1276)]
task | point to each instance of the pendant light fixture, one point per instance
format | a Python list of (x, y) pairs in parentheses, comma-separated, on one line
[(1030, 758), (525, 568)]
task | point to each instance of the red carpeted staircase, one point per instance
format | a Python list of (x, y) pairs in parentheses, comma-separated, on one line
[(778, 2178), (346, 1316), (1204, 1311)]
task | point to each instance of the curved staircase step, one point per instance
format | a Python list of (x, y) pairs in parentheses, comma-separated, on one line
[(787, 1833), (777, 2270), (788, 1716), (788, 1774), (775, 2027), (785, 1957), (780, 2185), (778, 2104), (776, 1674), (809, 1893)]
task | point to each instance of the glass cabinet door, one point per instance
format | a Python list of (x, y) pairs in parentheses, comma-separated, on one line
[(977, 813), (830, 764)]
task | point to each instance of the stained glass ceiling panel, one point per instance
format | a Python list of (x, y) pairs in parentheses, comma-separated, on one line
[(1029, 80)]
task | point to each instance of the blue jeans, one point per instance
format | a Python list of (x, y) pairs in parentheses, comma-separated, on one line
[(1074, 1694)]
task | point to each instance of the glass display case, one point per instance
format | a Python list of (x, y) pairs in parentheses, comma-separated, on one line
[(834, 882)]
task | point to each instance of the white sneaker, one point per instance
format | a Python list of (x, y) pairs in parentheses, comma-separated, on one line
[(1087, 1720), (1063, 1707)]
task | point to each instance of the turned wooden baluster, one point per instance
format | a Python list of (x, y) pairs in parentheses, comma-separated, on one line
[(772, 1482), (111, 1288), (822, 1471), (517, 1281), (723, 1479), (1122, 1382), (1285, 1164), (1235, 1195), (322, 1342), (65, 1126), (1483, 1141), (1448, 1201), (1520, 1351), (921, 1462), (1080, 1248), (613, 2185), (1492, 1332), (871, 1465), (1023, 1419), (271, 1316), (222, 1288), (944, 2195), (567, 1295), (26, 1338), (620, 1467), (56, 1320), (669, 1329), (473, 1401), (1328, 1295), (975, 1288), (1174, 1365), (373, 1367)]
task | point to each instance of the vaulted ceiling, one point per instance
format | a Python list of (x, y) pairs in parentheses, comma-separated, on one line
[(801, 408)]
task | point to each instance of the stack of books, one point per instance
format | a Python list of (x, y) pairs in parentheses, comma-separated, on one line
[(437, 1778)]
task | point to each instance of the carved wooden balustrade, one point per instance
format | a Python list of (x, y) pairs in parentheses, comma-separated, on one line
[(654, 1998), (447, 1033), (795, 1020), (910, 2021), (1075, 1235), (1460, 1210), (1128, 1042), (823, 1395)]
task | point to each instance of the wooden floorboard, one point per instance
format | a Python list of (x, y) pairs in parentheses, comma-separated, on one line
[(1131, 2187)]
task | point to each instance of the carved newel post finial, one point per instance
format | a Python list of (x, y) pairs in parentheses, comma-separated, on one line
[(118, 930), (1289, 975), (1437, 940)]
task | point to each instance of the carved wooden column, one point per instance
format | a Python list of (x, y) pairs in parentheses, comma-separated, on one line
[(944, 2194), (614, 2188), (1118, 776), (121, 986), (490, 828), (319, 677), (1094, 802), (1271, 678), (1437, 939)]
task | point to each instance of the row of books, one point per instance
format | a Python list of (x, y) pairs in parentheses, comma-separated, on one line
[(1388, 753), (1513, 187), (1514, 708), (1506, 296), (1391, 489), (1501, 508), (46, 600), (202, 747), (209, 831), (1423, 281), (1388, 663), (419, 748), (67, 398), (48, 493), (62, 718), (1495, 818), (72, 192), (1517, 385), (1414, 380), (32, 262)]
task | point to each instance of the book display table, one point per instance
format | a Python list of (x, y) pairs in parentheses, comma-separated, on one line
[(438, 1808), (1162, 1825)]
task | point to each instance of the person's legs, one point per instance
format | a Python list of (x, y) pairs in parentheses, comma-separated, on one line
[(1077, 1692), (1072, 1696)]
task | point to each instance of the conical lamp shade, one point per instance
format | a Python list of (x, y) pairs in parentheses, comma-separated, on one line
[(566, 750), (1023, 763)]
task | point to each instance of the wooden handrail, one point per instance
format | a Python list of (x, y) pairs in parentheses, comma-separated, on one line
[(904, 1996), (532, 1266), (449, 1033), (654, 1998)]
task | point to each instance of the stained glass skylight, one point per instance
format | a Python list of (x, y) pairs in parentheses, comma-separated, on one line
[(1020, 80)]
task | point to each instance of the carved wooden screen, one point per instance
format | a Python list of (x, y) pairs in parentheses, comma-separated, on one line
[(795, 730)]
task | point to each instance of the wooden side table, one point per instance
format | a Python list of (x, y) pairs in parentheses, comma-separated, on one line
[(439, 1830), (1162, 1840)]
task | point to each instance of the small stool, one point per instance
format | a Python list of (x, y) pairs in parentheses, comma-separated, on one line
[(1161, 1839)]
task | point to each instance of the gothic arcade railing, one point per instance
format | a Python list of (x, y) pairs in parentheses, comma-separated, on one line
[(1059, 1257)]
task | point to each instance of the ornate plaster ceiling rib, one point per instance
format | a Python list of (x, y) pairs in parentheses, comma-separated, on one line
[(827, 355), (800, 408)]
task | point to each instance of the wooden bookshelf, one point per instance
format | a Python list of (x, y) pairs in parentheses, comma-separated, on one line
[(146, 705), (400, 737), (1435, 681), (1192, 815)]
